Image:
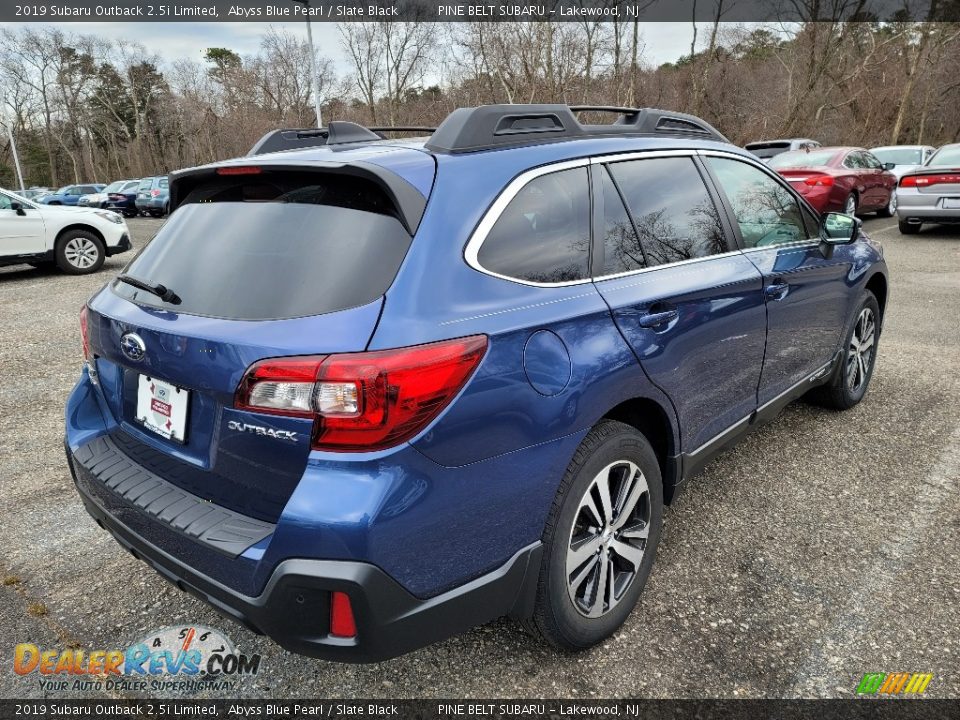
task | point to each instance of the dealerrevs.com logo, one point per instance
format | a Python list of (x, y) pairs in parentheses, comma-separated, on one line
[(179, 658), (899, 683)]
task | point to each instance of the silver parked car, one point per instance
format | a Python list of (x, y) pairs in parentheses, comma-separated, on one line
[(766, 149), (903, 157), (930, 193)]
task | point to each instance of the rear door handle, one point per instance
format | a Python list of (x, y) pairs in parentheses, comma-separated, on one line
[(776, 290), (652, 320)]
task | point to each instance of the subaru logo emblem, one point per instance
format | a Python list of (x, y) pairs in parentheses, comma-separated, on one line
[(133, 347)]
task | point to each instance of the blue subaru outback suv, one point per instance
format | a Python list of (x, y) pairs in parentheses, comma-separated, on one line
[(361, 394)]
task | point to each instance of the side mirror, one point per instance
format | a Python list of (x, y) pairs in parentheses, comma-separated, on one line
[(889, 166), (18, 206), (839, 229)]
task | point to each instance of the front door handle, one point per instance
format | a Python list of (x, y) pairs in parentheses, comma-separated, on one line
[(656, 319), (776, 290)]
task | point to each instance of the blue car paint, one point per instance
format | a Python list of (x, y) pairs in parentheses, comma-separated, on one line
[(59, 198), (476, 485)]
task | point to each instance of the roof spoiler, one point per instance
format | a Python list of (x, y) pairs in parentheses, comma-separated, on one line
[(336, 133)]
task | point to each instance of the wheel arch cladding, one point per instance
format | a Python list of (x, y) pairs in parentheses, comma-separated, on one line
[(654, 423), (86, 228), (877, 284)]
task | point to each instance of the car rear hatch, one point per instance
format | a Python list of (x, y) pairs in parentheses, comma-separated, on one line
[(254, 264)]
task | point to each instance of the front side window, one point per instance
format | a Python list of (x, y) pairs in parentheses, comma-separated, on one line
[(5, 203), (766, 211), (543, 235), (673, 213)]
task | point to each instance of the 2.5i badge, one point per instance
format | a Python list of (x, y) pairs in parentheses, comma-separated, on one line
[(162, 408)]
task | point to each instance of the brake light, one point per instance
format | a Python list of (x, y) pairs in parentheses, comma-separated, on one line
[(928, 180), (363, 401), (822, 180), (154, 193), (84, 335), (342, 623), (239, 170)]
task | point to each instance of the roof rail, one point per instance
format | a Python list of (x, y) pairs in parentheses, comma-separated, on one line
[(402, 129), (494, 126)]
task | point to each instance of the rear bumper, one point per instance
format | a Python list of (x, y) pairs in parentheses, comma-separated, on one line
[(294, 607), (151, 204), (927, 207)]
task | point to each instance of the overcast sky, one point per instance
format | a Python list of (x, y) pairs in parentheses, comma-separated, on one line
[(664, 41)]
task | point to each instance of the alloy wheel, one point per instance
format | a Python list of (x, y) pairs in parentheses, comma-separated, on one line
[(861, 350), (608, 538), (892, 205), (81, 252), (851, 205)]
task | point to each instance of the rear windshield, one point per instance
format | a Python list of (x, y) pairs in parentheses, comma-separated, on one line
[(273, 247), (802, 159), (115, 186), (768, 150), (899, 156), (947, 156), (146, 183)]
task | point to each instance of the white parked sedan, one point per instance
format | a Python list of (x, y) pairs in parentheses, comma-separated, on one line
[(903, 157), (76, 239)]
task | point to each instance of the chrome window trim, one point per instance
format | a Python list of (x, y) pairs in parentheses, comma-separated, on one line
[(506, 196), (471, 251), (690, 261)]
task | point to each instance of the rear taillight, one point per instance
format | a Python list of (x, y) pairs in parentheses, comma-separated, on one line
[(928, 180), (342, 623), (363, 401), (84, 335), (154, 193), (822, 180)]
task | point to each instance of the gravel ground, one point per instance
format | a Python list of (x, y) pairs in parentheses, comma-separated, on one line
[(823, 547)]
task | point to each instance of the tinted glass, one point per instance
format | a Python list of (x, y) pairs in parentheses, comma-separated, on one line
[(5, 203), (164, 183), (145, 184), (766, 211), (543, 235), (900, 156), (853, 161), (115, 187), (672, 211), (870, 161), (802, 158), (270, 249), (621, 248), (948, 156)]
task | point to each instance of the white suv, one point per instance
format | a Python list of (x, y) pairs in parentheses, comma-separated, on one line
[(76, 239)]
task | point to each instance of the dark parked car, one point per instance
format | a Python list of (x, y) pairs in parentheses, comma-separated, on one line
[(123, 199), (843, 179), (69, 194), (363, 394), (153, 196), (115, 189)]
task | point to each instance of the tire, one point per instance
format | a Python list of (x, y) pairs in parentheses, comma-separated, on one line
[(79, 252), (891, 207), (851, 380), (850, 204), (611, 455), (907, 228)]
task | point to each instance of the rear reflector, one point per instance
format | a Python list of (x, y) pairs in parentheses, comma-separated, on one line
[(363, 401), (239, 170), (928, 180), (342, 623), (822, 180)]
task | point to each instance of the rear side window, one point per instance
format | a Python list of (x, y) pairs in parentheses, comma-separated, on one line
[(621, 247), (164, 183), (543, 235), (273, 246), (671, 208)]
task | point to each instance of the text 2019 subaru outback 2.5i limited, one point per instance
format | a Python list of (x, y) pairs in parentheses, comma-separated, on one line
[(362, 394)]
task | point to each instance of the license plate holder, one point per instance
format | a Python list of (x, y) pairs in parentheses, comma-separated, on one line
[(951, 203), (162, 408)]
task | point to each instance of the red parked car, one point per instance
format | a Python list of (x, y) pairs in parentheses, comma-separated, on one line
[(840, 179)]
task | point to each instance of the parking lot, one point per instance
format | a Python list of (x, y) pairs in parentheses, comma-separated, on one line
[(823, 547)]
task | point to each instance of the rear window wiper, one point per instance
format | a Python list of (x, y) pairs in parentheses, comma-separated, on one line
[(161, 291)]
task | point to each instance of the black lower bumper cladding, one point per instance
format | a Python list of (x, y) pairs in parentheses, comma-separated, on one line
[(294, 607)]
